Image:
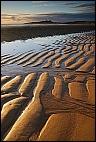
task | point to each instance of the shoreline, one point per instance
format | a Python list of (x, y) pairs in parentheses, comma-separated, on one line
[(28, 32)]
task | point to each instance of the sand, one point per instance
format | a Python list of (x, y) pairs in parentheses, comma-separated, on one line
[(10, 109), (91, 91), (70, 127), (49, 62), (78, 90), (4, 79), (58, 87), (27, 85), (53, 98), (7, 97), (27, 32), (11, 85)]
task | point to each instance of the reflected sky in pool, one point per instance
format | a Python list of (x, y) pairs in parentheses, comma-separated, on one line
[(34, 44)]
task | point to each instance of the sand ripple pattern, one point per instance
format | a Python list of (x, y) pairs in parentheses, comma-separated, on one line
[(74, 53), (40, 95)]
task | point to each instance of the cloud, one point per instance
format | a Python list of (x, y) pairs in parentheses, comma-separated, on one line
[(70, 3), (15, 18), (57, 17), (86, 7), (38, 2)]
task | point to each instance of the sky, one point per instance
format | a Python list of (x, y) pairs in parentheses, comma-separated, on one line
[(18, 12)]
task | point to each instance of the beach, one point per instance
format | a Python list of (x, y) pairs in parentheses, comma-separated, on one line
[(48, 83), (27, 31)]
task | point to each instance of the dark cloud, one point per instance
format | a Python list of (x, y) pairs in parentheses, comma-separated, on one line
[(69, 3), (86, 7), (92, 5), (27, 14)]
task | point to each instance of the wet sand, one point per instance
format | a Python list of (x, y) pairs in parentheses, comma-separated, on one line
[(28, 32), (52, 96)]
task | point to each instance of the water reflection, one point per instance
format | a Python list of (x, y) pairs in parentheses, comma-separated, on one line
[(34, 44)]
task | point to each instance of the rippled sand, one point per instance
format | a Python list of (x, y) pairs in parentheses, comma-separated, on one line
[(57, 101)]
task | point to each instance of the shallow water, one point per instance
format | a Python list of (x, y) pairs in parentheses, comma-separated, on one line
[(35, 44)]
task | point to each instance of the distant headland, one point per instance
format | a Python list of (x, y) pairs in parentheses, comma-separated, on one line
[(52, 22)]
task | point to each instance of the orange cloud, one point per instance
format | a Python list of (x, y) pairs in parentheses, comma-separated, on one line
[(15, 19)]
